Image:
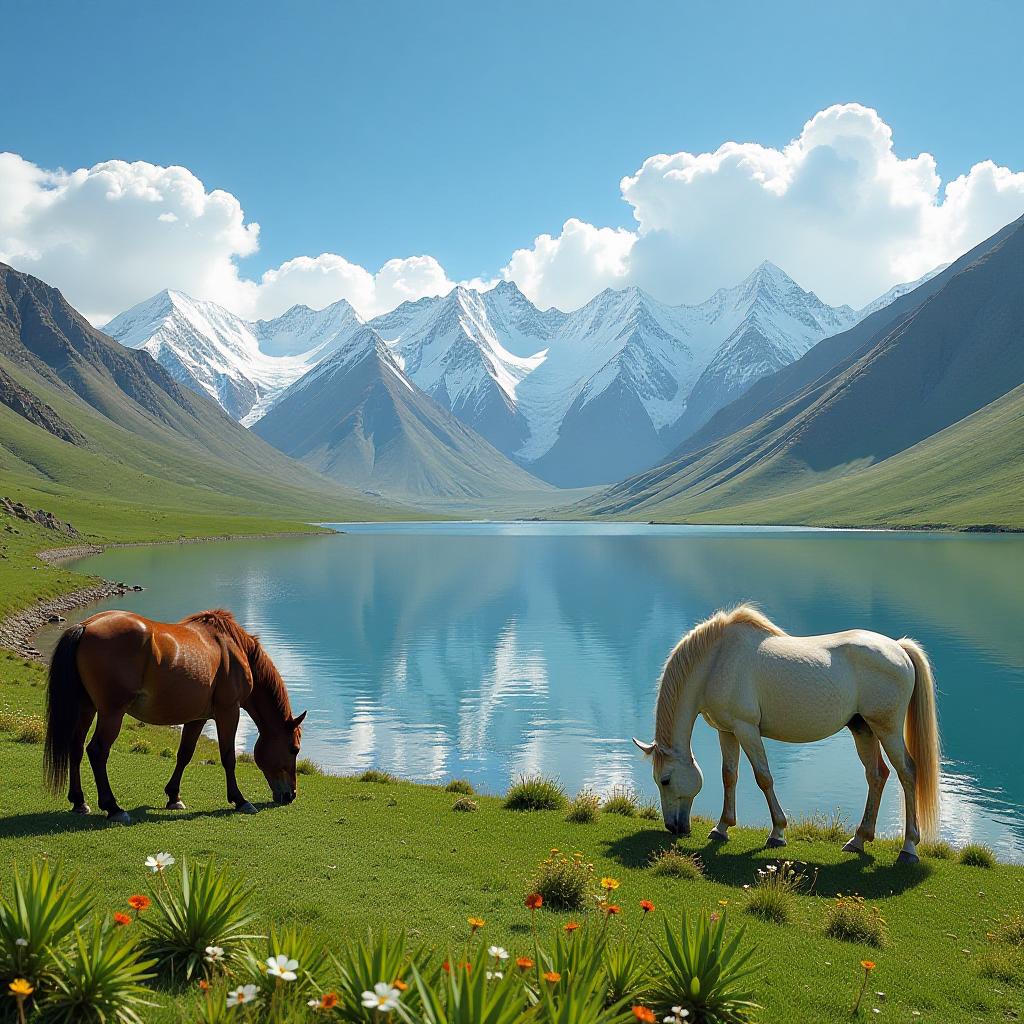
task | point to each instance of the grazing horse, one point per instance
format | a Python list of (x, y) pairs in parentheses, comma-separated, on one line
[(117, 663), (750, 679)]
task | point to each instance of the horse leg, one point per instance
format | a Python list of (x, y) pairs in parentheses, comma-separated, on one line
[(730, 773), (903, 764), (876, 772), (227, 727), (190, 733), (750, 740), (76, 796), (108, 726)]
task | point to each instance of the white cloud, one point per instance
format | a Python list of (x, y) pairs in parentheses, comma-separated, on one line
[(836, 208)]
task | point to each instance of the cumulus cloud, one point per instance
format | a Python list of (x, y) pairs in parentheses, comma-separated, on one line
[(837, 209)]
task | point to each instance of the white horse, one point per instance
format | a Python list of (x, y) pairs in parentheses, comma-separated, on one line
[(750, 679)]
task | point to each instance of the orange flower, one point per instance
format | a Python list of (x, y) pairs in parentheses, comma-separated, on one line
[(21, 989), (329, 1000), (612, 908), (534, 901), (868, 965), (475, 923), (552, 976), (139, 903), (570, 926), (643, 1014), (646, 906), (204, 984), (121, 919), (524, 963), (397, 983)]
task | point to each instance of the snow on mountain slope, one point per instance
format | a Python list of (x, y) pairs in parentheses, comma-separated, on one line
[(243, 366)]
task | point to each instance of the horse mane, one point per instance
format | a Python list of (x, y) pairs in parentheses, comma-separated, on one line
[(685, 657), (265, 675)]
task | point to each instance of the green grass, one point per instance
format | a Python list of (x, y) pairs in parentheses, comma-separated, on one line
[(535, 793), (977, 855)]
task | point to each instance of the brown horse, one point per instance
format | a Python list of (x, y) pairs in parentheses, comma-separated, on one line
[(206, 666)]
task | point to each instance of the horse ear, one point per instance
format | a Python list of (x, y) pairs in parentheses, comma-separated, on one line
[(296, 722), (647, 748)]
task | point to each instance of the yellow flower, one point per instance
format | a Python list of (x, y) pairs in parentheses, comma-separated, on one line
[(723, 903), (476, 922), (609, 884), (20, 988)]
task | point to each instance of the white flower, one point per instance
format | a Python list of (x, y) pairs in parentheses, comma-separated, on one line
[(214, 954), (282, 967), (498, 952), (21, 942), (383, 997), (158, 862), (242, 994), (495, 975)]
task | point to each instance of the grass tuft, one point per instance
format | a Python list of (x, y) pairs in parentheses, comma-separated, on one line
[(465, 804), (245, 757), (167, 752), (649, 812), (1011, 931), (460, 786), (307, 766), (673, 863), (584, 809), (1001, 964), (621, 801), (820, 828), (373, 775), (31, 729), (938, 850), (141, 747), (977, 855), (535, 793), (770, 904), (851, 919), (565, 882)]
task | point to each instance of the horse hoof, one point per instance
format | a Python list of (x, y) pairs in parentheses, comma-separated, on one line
[(853, 846), (245, 808), (175, 805), (718, 837), (773, 841), (906, 857), (119, 818), (80, 809)]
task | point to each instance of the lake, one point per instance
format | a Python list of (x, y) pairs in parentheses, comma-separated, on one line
[(486, 650)]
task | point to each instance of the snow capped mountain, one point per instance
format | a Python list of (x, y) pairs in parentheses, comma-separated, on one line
[(243, 366), (898, 291)]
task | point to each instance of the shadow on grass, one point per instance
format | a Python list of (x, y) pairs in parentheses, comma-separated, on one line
[(46, 823), (735, 863)]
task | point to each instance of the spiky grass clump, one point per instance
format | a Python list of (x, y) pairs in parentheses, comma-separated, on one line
[(673, 863), (566, 882), (245, 757), (1001, 964), (373, 775), (621, 801), (851, 919), (31, 730), (307, 766), (649, 812), (584, 809), (141, 747), (820, 828), (938, 850), (535, 793), (977, 855), (166, 752), (1011, 931), (461, 786), (772, 897), (465, 804)]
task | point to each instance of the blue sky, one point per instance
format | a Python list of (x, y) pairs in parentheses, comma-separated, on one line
[(464, 130)]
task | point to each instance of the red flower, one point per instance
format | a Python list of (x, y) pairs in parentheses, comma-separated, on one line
[(552, 977), (329, 1000), (643, 1014), (571, 926), (646, 906), (535, 901), (204, 984), (121, 919), (612, 908), (524, 963), (139, 903)]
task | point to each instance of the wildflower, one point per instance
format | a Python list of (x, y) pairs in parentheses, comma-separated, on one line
[(644, 1015), (524, 963), (498, 952), (159, 862), (384, 997), (552, 977), (714, 916), (534, 901), (21, 988), (282, 967), (244, 994), (139, 903), (570, 926), (612, 908), (328, 1001), (495, 975), (475, 923), (609, 884), (868, 965), (723, 903), (204, 985), (214, 954), (646, 906), (678, 1015), (399, 984), (121, 919), (20, 941)]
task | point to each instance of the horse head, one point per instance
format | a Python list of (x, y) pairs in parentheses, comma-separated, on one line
[(275, 753), (679, 780)]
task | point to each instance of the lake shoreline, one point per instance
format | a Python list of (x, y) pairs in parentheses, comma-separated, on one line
[(18, 629)]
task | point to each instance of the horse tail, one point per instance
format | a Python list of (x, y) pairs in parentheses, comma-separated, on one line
[(64, 694), (922, 737)]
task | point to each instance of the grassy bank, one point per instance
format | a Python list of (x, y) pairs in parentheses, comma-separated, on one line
[(349, 854)]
